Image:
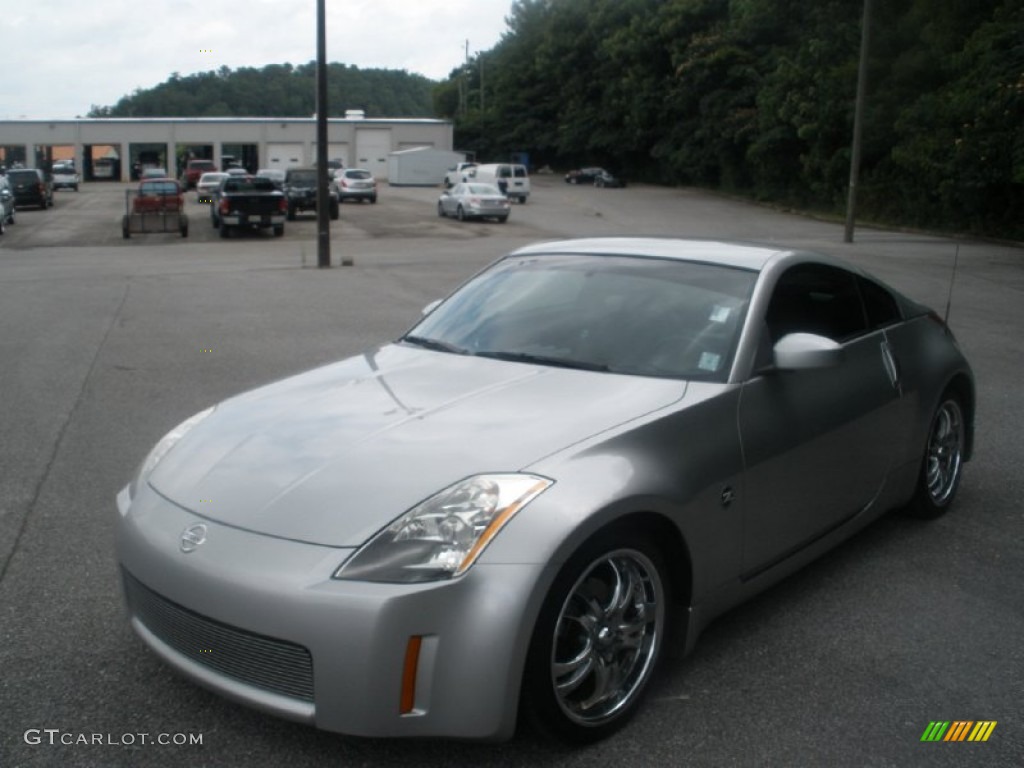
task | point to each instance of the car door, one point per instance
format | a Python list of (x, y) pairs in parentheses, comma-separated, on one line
[(817, 443)]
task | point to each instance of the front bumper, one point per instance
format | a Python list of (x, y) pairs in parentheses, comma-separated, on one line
[(204, 610)]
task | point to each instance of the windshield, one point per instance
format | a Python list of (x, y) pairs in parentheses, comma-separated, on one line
[(158, 188), (302, 178), (649, 317)]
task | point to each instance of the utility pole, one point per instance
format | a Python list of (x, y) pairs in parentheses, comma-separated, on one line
[(480, 58), (464, 80), (858, 122), (323, 223)]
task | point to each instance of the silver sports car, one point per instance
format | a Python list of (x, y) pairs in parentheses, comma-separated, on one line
[(507, 509)]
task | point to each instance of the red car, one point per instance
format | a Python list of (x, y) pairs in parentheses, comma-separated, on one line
[(196, 168), (158, 196)]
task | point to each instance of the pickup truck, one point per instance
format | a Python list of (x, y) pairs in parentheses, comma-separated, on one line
[(457, 174), (248, 202), (194, 169), (300, 189)]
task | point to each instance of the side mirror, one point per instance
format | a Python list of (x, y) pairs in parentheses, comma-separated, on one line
[(806, 351), (431, 307)]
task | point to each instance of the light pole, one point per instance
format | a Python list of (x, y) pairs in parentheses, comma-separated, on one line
[(323, 223), (858, 122)]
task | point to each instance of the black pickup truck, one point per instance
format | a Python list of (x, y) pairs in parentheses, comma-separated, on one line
[(248, 202), (300, 189)]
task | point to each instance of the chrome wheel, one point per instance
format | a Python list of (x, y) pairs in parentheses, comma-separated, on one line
[(607, 637), (944, 455)]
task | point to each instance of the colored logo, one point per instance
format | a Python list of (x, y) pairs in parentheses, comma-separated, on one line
[(958, 730)]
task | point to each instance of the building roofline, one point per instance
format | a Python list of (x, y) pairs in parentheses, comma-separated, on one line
[(143, 120)]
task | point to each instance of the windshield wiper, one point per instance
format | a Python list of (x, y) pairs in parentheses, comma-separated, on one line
[(558, 362), (435, 344)]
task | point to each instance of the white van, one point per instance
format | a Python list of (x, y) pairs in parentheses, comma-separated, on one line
[(513, 180)]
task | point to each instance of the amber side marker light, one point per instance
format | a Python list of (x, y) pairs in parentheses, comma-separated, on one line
[(407, 699)]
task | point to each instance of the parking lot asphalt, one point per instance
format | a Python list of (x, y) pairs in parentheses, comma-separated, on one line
[(107, 343)]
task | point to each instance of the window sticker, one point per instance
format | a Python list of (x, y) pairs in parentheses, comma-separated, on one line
[(719, 314), (709, 361)]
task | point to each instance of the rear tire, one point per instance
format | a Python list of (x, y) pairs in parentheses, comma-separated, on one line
[(460, 214), (942, 464), (225, 231), (279, 230), (598, 637), (440, 210)]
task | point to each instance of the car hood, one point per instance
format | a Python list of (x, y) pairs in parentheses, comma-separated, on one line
[(333, 455)]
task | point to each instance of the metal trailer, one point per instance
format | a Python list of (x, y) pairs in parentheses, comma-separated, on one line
[(159, 218)]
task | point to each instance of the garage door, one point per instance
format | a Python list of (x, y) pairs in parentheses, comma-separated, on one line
[(284, 155), (372, 148), (335, 151)]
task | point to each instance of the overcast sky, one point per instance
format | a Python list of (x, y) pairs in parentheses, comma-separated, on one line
[(63, 56)]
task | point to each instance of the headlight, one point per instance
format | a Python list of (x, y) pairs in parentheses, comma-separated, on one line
[(443, 536), (164, 446)]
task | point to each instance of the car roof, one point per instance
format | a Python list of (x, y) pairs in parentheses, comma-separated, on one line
[(751, 256)]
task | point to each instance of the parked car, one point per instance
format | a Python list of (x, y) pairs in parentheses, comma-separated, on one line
[(194, 170), (65, 176), (457, 174), (276, 176), (583, 175), (7, 207), (608, 179), (512, 179), (505, 510), (355, 184), (153, 173), (248, 202), (30, 186), (206, 187), (158, 195), (300, 188), (474, 200)]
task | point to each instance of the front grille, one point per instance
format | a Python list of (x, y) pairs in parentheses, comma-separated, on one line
[(265, 662)]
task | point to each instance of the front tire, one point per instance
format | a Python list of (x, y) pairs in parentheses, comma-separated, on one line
[(460, 214), (598, 638), (943, 460)]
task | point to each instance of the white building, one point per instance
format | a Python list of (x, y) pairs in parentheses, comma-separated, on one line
[(110, 148)]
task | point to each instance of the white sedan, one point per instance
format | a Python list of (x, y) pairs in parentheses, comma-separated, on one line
[(472, 200)]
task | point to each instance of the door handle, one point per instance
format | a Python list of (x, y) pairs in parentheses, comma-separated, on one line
[(891, 367)]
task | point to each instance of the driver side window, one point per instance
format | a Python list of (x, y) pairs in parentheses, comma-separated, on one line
[(818, 299)]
